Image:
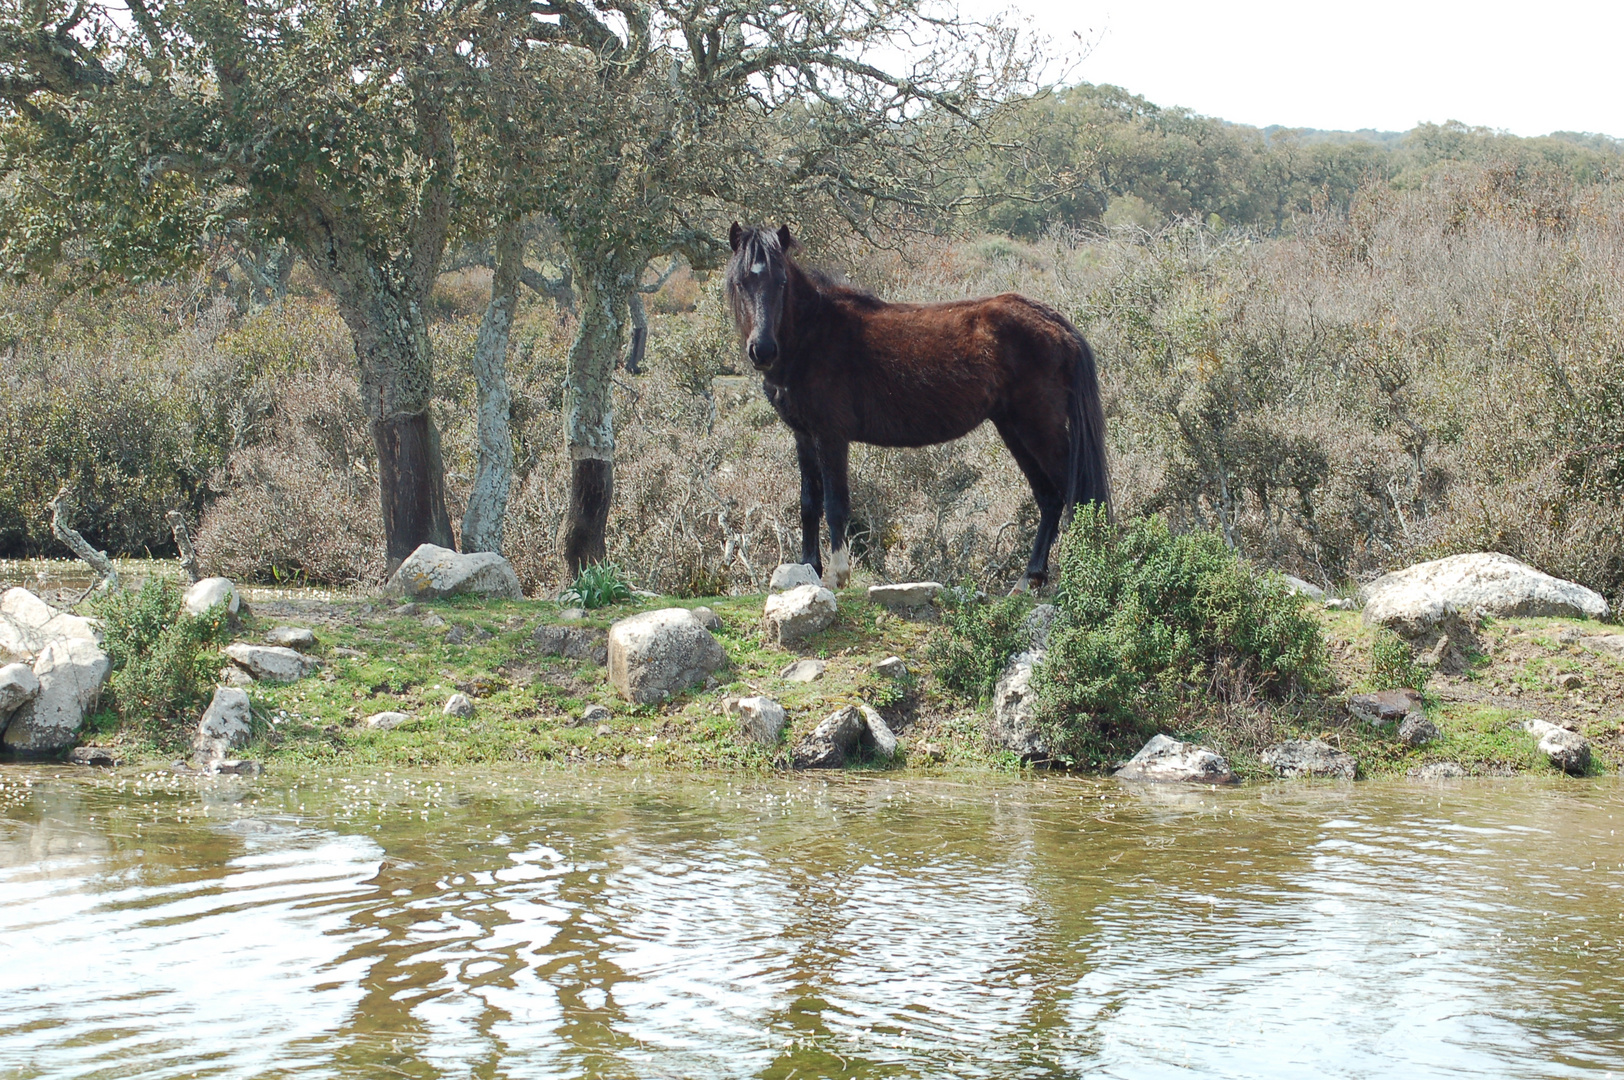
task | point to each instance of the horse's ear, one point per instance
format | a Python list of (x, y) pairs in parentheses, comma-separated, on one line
[(733, 235), (785, 240)]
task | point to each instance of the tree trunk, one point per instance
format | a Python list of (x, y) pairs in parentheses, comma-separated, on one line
[(589, 422), (493, 476)]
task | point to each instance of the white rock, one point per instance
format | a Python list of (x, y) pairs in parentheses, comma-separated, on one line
[(787, 576), (892, 667), (1303, 588), (459, 705), (232, 675), (804, 671), (292, 637), (762, 719), (1014, 710), (659, 653), (28, 624), (1567, 750), (1166, 759), (905, 596), (434, 573), (71, 672), (225, 727), (799, 613), (209, 593), (1420, 597), (18, 685), (383, 721), (270, 663)]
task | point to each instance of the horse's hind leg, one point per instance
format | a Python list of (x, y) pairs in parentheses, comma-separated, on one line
[(837, 508), (806, 453), (1047, 493)]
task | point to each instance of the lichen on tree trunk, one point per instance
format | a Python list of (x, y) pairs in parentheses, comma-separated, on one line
[(482, 522), (589, 422)]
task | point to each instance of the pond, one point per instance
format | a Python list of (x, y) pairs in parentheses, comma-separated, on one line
[(570, 925)]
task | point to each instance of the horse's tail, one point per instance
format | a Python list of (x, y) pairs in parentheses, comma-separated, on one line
[(1088, 471)]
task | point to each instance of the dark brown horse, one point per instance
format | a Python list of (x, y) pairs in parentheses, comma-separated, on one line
[(842, 366)]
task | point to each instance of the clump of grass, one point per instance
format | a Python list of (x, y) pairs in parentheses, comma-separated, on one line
[(165, 662), (599, 585), (1393, 664)]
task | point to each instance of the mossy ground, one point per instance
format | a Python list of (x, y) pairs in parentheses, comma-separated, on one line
[(528, 705)]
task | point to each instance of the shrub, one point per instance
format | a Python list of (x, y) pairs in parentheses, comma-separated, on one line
[(976, 639), (1393, 663), (1151, 623), (165, 662), (599, 585)]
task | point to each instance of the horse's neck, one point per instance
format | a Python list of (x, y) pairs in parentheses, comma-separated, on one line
[(810, 309)]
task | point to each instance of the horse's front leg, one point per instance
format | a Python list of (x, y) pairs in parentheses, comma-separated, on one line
[(806, 453), (837, 508)]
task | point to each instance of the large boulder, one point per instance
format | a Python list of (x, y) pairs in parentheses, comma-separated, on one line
[(833, 742), (203, 596), (1165, 759), (659, 653), (28, 624), (1417, 599), (762, 719), (1567, 750), (226, 726), (270, 663), (71, 672), (18, 686), (1014, 717), (434, 573), (796, 615), (792, 575), (1302, 757)]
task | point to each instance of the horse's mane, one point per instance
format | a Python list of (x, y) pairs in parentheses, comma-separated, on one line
[(759, 243)]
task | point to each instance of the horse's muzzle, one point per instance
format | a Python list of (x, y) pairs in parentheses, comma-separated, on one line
[(762, 354)]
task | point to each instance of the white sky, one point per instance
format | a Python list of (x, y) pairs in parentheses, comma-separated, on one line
[(1529, 68)]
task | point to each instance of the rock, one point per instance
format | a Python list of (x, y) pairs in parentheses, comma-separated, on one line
[(659, 653), (594, 714), (18, 685), (1384, 706), (708, 619), (1165, 759), (877, 739), (572, 614), (834, 741), (1611, 644), (1037, 624), (458, 705), (384, 721), (1567, 750), (1437, 770), (1570, 680), (603, 729), (226, 726), (1416, 730), (28, 624), (906, 596), (71, 672), (456, 635), (406, 610), (212, 592), (232, 675), (433, 621), (1298, 586), (892, 667), (1014, 723), (237, 768), (270, 663), (806, 670), (342, 653), (292, 637), (762, 719), (434, 573), (1420, 597), (787, 576), (96, 757), (1301, 757), (796, 615), (573, 643), (1341, 605), (928, 752)]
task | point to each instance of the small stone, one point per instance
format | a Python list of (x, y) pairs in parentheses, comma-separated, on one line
[(929, 752), (1416, 730), (1384, 706), (226, 726), (907, 596), (1346, 604), (405, 610), (708, 619), (892, 667), (787, 576), (456, 635), (1567, 750), (203, 596), (98, 757), (1570, 680), (385, 721), (594, 714), (572, 614), (804, 671), (1297, 758), (349, 654), (605, 729), (270, 663), (459, 705), (292, 637), (434, 622), (1165, 759), (237, 768), (761, 718), (18, 684), (1437, 770), (798, 614)]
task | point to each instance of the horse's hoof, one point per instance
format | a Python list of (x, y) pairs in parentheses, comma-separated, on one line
[(839, 569)]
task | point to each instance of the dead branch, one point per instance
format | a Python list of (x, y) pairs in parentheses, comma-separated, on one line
[(106, 575)]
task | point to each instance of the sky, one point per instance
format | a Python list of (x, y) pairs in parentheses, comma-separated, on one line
[(1529, 69)]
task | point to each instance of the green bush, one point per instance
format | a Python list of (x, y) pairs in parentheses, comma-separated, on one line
[(1393, 664), (599, 585), (1151, 624), (976, 639), (165, 662)]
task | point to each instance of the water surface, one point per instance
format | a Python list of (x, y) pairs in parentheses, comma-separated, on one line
[(560, 926)]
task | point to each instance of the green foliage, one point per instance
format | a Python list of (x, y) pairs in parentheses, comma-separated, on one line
[(1150, 623), (165, 662), (1393, 664), (976, 639), (599, 585)]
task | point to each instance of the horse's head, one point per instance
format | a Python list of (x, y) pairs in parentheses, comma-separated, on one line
[(757, 285)]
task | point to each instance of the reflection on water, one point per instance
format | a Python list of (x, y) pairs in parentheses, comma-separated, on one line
[(509, 926)]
